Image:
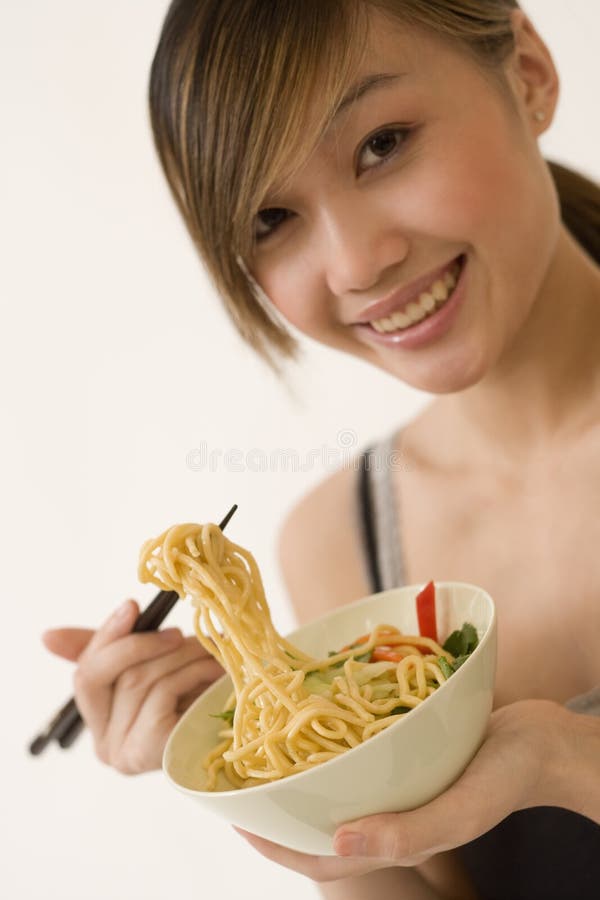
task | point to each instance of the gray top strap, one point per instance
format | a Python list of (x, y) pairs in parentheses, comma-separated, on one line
[(388, 541), (588, 704)]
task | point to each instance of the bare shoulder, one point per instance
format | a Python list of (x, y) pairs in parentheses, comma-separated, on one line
[(319, 547)]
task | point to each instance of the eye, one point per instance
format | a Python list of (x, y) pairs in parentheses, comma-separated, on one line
[(382, 145), (268, 221)]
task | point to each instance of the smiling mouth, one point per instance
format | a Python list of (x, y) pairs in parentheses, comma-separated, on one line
[(428, 303)]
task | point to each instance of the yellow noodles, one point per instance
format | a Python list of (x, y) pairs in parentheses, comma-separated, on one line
[(291, 711)]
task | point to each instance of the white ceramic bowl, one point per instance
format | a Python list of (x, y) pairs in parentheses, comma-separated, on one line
[(402, 767)]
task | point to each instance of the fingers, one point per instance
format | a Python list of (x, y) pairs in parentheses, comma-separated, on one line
[(120, 622), (93, 692), (317, 868), (67, 642), (98, 671), (395, 838), (155, 686), (144, 744), (71, 642), (129, 686), (409, 838), (189, 680)]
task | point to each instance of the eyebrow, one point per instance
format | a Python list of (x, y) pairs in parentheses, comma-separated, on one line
[(365, 85), (358, 90)]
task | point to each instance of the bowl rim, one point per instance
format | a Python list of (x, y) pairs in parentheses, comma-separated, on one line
[(271, 785)]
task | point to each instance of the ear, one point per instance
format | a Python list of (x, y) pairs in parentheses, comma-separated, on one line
[(533, 74)]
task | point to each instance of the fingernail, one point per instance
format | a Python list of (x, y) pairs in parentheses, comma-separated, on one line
[(350, 843), (170, 635), (120, 613)]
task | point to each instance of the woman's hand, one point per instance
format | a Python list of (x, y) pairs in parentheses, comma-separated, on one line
[(131, 689), (520, 759)]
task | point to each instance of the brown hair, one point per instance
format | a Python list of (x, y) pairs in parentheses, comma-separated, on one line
[(226, 74)]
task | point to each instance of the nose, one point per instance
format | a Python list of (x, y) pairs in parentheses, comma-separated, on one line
[(360, 242)]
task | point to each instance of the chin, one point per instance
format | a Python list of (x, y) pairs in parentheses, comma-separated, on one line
[(435, 373), (442, 376)]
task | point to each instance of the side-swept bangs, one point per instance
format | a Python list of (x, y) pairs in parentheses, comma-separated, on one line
[(240, 93)]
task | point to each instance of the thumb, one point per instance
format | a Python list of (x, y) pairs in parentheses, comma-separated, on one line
[(460, 814), (67, 642), (402, 837)]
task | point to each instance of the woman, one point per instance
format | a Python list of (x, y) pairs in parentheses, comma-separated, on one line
[(379, 185)]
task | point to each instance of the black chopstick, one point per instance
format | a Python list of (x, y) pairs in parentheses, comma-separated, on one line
[(67, 723)]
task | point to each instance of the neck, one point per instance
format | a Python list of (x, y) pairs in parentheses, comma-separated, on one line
[(544, 392)]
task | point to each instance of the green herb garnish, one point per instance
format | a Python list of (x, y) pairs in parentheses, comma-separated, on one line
[(460, 644), (463, 642), (227, 715), (459, 661), (445, 666)]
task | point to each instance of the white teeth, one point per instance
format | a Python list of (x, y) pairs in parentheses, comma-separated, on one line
[(400, 320), (440, 290), (449, 280), (415, 312), (429, 300)]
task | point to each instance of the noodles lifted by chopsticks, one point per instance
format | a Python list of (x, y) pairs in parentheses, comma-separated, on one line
[(288, 711)]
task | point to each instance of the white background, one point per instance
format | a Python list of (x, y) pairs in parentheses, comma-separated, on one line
[(117, 361)]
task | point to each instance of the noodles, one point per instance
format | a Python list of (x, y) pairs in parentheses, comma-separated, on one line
[(288, 711)]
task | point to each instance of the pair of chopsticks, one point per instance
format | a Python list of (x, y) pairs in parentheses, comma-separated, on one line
[(66, 724)]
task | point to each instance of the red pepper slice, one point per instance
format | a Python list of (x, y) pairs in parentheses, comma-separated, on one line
[(361, 640), (426, 612)]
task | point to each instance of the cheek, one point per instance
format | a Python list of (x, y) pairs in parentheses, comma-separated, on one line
[(489, 191), (473, 191), (508, 206), (477, 186), (295, 290)]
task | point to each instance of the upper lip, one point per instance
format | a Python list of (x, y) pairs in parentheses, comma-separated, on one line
[(399, 300)]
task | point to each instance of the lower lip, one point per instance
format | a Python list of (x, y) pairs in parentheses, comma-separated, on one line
[(427, 330)]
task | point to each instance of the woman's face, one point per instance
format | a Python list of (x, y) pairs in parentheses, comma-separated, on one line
[(425, 166)]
